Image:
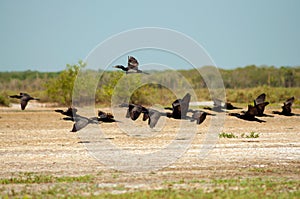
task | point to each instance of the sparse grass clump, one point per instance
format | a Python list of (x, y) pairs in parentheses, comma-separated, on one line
[(227, 135), (251, 135), (30, 178)]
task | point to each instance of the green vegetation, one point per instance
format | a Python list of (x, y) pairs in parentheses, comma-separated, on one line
[(87, 186), (242, 85), (4, 99), (60, 89), (251, 135), (227, 135), (30, 178)]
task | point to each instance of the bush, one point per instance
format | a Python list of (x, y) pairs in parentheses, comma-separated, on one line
[(60, 89), (4, 101)]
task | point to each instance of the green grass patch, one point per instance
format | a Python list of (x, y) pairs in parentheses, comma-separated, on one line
[(252, 134), (227, 135), (87, 186), (30, 178)]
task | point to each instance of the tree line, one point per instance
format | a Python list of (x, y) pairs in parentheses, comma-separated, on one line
[(58, 86)]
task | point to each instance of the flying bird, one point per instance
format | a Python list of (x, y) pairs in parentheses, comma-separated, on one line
[(260, 104), (105, 117), (199, 116), (134, 110), (219, 105), (180, 107), (249, 115), (69, 112), (286, 108), (132, 66), (81, 122), (24, 99)]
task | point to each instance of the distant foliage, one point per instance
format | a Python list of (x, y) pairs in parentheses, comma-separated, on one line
[(26, 81), (242, 85), (4, 99), (253, 76), (60, 89)]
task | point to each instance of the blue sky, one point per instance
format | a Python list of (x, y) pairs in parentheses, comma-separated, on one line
[(47, 35)]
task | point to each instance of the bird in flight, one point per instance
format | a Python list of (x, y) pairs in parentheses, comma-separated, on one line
[(81, 122), (249, 115), (219, 105), (286, 108), (180, 108), (132, 66), (260, 104), (24, 99)]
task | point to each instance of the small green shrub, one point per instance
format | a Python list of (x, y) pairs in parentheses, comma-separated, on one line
[(4, 101), (227, 135), (251, 135)]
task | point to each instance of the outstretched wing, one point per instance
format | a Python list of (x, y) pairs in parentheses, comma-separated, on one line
[(200, 116), (15, 96), (184, 103), (261, 108), (289, 101), (260, 99), (23, 103), (80, 123), (287, 105), (132, 63), (153, 118), (217, 102)]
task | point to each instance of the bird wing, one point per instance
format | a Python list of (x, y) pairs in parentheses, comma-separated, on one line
[(184, 103), (153, 118), (217, 102), (132, 63), (261, 107), (23, 103), (260, 99), (289, 101), (80, 123), (200, 116), (287, 105), (16, 96)]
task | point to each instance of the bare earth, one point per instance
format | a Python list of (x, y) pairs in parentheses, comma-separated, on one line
[(38, 140)]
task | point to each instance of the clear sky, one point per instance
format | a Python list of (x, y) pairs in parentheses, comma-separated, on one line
[(47, 35)]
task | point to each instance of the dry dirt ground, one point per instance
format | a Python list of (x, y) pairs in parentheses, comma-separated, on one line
[(38, 140)]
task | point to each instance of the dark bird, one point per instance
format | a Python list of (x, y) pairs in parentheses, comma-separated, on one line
[(81, 122), (135, 110), (152, 116), (199, 116), (69, 112), (219, 105), (227, 105), (24, 99), (180, 107), (286, 108), (248, 115), (105, 117), (132, 66), (260, 104)]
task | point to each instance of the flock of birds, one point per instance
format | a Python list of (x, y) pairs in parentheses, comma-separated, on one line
[(179, 110)]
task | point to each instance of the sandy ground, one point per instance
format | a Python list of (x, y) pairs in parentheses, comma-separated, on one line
[(38, 140)]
